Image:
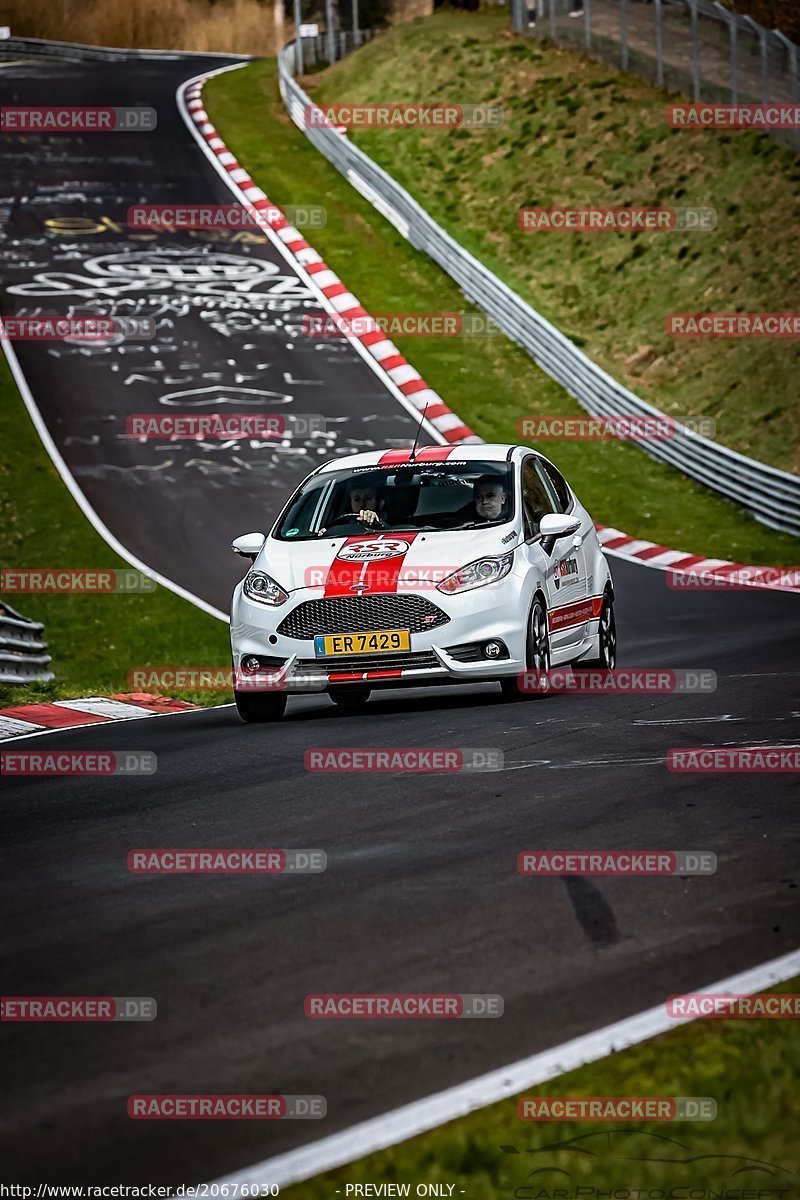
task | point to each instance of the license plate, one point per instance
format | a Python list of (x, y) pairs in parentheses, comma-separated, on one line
[(362, 643)]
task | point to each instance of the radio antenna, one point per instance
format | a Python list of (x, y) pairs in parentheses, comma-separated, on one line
[(419, 430)]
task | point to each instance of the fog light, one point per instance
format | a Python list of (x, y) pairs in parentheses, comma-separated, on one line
[(250, 664), (492, 649)]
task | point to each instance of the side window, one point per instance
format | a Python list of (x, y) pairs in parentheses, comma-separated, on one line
[(535, 499), (559, 485)]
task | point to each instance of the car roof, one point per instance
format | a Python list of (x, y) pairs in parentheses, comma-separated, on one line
[(460, 452)]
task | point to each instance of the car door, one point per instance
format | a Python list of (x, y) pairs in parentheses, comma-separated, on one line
[(565, 563)]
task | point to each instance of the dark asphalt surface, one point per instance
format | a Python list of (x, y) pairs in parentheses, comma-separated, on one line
[(421, 891), (230, 335)]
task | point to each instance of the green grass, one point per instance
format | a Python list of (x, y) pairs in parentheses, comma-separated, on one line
[(488, 381), (749, 1067), (94, 640), (577, 133)]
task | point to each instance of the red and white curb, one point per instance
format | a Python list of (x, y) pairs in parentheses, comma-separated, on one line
[(91, 710), (614, 542), (342, 302)]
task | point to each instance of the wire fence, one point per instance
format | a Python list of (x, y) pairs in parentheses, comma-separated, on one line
[(771, 495), (692, 47), (327, 47)]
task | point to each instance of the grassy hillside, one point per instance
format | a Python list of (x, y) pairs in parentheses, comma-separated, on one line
[(489, 382), (579, 133)]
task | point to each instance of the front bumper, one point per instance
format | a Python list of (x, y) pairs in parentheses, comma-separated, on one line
[(497, 612)]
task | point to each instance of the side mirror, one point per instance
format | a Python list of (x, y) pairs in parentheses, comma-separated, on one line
[(554, 526), (248, 545), (558, 525)]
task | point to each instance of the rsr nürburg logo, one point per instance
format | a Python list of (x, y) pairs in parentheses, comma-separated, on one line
[(372, 551)]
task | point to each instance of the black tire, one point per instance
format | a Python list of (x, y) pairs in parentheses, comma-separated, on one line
[(257, 709), (537, 653), (349, 696), (608, 640)]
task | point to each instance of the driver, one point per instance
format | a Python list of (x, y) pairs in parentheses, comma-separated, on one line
[(363, 498)]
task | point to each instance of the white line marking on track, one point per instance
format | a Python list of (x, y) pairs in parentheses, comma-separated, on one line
[(80, 499), (422, 1115)]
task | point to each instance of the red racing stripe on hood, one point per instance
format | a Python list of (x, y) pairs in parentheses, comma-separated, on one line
[(376, 569)]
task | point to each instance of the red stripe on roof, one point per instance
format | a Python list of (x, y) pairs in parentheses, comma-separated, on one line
[(433, 454)]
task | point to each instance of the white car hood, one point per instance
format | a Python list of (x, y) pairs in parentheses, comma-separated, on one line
[(380, 562)]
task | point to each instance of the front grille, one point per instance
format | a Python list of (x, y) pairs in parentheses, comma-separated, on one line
[(367, 662), (360, 614)]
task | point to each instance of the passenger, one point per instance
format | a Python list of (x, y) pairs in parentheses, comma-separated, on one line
[(488, 498)]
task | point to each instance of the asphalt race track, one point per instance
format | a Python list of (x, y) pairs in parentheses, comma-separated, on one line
[(421, 892), (230, 335)]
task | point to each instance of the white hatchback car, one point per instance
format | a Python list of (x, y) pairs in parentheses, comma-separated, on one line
[(397, 568)]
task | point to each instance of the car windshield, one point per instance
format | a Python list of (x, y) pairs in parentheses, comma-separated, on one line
[(429, 496)]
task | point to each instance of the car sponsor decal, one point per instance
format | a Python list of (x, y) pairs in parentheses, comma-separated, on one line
[(574, 614), (372, 550), (564, 569), (368, 564)]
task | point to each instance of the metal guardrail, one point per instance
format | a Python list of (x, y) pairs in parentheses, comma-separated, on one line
[(23, 653), (772, 496), (79, 52)]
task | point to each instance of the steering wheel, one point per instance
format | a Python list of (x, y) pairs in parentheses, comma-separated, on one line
[(353, 516)]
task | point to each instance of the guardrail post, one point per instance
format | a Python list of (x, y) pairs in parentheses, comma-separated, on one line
[(761, 34), (727, 16), (329, 34), (551, 10), (659, 44), (587, 24), (298, 41), (791, 50), (356, 30), (623, 32), (695, 50)]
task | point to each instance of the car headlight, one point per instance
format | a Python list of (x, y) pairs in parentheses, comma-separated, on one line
[(259, 586), (477, 574)]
